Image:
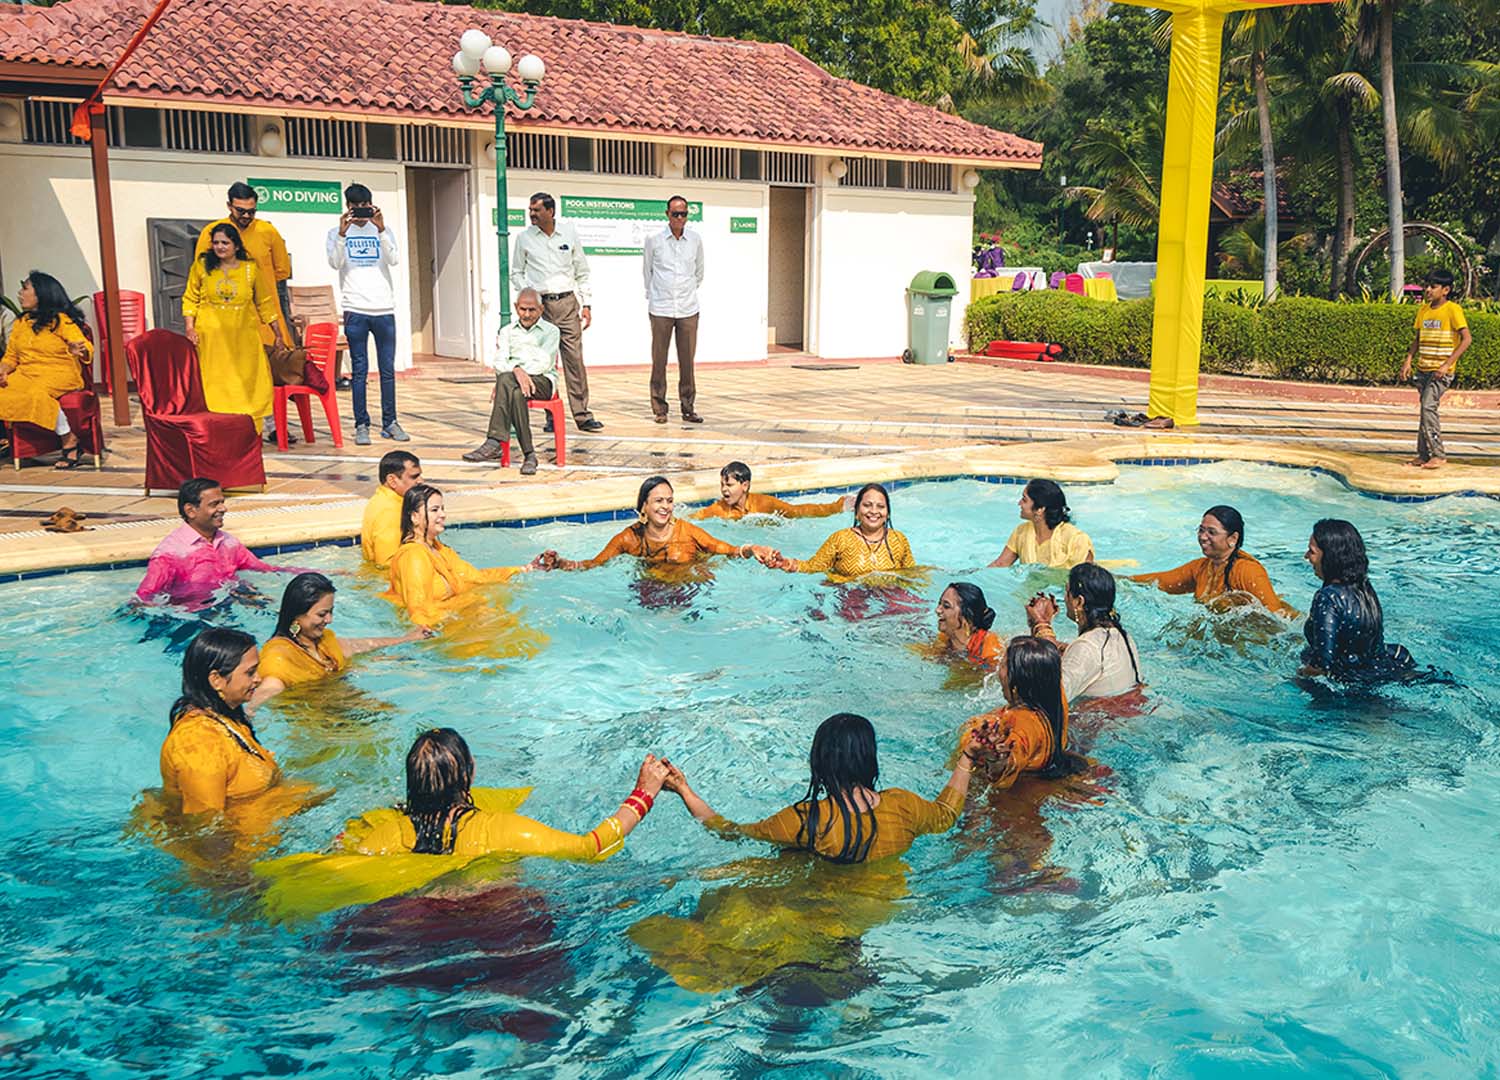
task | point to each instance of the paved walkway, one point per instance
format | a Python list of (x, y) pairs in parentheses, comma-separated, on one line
[(791, 410)]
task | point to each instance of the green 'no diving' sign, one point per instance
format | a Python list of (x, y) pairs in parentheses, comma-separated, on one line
[(298, 196)]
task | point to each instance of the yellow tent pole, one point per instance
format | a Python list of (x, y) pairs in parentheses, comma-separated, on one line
[(1182, 237)]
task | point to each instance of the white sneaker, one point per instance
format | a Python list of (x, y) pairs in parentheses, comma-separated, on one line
[(393, 431), (362, 435)]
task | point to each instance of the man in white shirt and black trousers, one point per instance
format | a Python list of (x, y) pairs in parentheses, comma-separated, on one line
[(548, 258), (363, 251), (672, 264)]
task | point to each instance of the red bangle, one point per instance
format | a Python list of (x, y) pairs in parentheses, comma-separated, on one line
[(647, 799), (637, 807)]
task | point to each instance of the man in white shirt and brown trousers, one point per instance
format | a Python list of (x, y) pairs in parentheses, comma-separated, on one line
[(549, 259), (672, 264)]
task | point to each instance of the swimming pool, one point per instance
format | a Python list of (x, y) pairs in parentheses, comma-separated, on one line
[(1271, 879)]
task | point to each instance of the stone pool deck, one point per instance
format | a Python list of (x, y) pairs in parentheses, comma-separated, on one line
[(802, 423)]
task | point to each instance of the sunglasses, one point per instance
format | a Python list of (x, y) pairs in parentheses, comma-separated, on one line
[(677, 213)]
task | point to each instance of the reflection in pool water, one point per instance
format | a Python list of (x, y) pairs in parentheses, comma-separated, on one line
[(1258, 879)]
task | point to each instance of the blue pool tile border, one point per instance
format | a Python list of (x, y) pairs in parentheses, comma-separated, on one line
[(595, 517)]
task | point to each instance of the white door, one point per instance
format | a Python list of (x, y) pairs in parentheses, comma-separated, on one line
[(451, 293)]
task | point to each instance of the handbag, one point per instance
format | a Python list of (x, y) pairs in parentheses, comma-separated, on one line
[(291, 367)]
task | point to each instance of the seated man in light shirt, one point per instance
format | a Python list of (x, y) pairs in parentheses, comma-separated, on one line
[(380, 532), (525, 364)]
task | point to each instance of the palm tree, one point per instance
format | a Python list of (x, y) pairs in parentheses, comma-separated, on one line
[(1376, 20), (1128, 166), (1259, 31), (998, 65)]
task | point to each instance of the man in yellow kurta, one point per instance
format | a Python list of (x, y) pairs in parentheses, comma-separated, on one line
[(263, 244), (380, 533)]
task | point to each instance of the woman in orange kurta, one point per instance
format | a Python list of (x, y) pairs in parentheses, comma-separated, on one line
[(658, 537), (304, 647), (736, 500), (211, 760), (964, 622), (1029, 735), (1225, 574), (43, 361)]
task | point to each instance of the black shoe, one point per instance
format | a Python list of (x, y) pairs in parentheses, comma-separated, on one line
[(489, 450), (590, 425), (342, 384), (691, 418), (528, 467), (547, 426)]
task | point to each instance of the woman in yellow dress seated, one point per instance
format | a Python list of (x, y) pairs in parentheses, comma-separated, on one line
[(868, 546), (964, 622), (658, 537), (428, 578), (224, 304), (304, 647), (1030, 734), (212, 761), (1046, 535), (43, 361), (736, 500), (1225, 575), (442, 828), (804, 912)]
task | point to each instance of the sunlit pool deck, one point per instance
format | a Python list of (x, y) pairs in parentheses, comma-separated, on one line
[(802, 428)]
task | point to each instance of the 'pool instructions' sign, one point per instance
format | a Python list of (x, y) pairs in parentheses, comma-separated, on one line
[(298, 196), (618, 226)]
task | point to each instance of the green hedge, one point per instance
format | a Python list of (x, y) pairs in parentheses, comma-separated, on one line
[(1296, 337)]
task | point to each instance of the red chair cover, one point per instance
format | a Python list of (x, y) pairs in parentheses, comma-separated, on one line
[(184, 439), (321, 342), (1074, 284), (132, 323)]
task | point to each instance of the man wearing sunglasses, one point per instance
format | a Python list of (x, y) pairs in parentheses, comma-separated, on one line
[(672, 264)]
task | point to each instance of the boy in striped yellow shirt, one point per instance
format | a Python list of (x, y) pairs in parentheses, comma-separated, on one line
[(1442, 336)]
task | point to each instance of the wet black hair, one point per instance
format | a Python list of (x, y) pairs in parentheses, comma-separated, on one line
[(210, 260), (191, 493), (415, 499), (842, 758), (1344, 558), (218, 649), (736, 470), (51, 301), (394, 463), (1095, 586), (1045, 495), (1033, 669), (650, 484), (302, 592), (439, 775), (1229, 517), (971, 605)]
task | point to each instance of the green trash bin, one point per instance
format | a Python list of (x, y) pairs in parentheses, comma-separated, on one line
[(929, 303)]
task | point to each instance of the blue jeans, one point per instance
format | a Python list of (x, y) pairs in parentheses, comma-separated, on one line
[(357, 329)]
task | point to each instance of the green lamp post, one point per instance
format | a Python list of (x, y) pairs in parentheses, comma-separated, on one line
[(476, 51)]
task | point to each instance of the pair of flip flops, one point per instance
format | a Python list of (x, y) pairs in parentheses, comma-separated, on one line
[(65, 520), (1121, 418)]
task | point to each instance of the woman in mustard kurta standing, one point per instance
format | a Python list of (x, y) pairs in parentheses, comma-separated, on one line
[(304, 647), (224, 305), (43, 361)]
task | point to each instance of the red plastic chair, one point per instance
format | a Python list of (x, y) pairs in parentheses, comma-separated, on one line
[(81, 407), (1074, 284), (553, 405), (132, 324), (184, 439), (321, 342)]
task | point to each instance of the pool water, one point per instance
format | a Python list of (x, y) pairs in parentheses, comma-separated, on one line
[(1267, 878)]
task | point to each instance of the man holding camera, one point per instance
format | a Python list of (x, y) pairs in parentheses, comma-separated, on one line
[(363, 251)]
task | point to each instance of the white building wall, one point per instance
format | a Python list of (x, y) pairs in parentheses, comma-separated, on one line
[(48, 222), (868, 245), (733, 296)]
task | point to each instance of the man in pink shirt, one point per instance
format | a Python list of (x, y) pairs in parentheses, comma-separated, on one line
[(198, 557)]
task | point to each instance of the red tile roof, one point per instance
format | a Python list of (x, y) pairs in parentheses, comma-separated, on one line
[(363, 58)]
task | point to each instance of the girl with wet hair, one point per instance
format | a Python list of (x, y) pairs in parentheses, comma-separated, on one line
[(428, 578), (1046, 534), (737, 500), (1101, 661), (869, 545), (1345, 629), (964, 621), (444, 814), (659, 536), (1030, 734), (843, 818), (1225, 574)]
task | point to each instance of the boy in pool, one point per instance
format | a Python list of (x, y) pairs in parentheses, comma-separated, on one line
[(736, 500), (1442, 337)]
